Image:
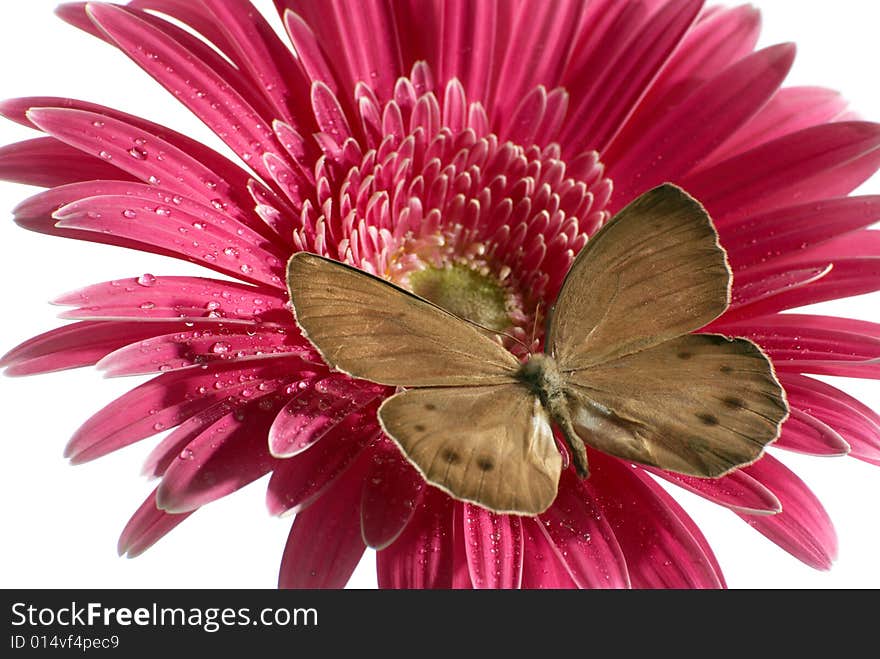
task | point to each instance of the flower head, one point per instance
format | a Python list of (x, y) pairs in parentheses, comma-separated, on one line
[(469, 164)]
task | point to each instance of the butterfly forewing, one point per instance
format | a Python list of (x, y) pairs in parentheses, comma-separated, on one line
[(490, 445), (371, 329), (701, 404), (654, 272)]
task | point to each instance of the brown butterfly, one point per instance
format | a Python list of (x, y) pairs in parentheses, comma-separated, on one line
[(620, 371)]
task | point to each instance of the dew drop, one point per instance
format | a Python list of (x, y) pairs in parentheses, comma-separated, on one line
[(106, 155), (148, 305), (186, 454), (137, 153), (146, 279), (220, 348), (154, 180), (218, 204), (98, 124), (177, 199), (163, 211), (129, 214), (246, 269)]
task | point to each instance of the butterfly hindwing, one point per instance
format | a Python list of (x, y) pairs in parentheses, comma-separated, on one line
[(371, 329), (654, 272), (700, 404), (490, 445)]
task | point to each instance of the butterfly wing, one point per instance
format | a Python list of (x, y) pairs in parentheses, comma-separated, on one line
[(654, 272), (700, 404), (489, 445), (372, 329)]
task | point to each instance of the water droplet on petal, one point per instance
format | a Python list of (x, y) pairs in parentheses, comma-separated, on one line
[(106, 155), (129, 214), (220, 348), (137, 153), (186, 454), (246, 269), (146, 279), (148, 305), (98, 124)]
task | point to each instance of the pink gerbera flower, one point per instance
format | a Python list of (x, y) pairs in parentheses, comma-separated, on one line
[(465, 150)]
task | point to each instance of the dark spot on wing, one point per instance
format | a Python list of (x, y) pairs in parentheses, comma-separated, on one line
[(726, 369), (734, 403), (708, 419), (430, 407), (684, 354), (419, 427), (485, 464), (451, 456)]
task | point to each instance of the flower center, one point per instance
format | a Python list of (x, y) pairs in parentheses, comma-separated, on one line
[(423, 193), (464, 292)]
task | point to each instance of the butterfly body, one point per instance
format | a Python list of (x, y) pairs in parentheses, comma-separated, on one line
[(621, 372), (541, 375)]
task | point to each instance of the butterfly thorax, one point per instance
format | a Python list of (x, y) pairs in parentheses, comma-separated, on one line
[(541, 375)]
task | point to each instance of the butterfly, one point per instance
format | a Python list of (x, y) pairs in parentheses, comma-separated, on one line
[(621, 371)]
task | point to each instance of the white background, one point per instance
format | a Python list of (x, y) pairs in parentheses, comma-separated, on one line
[(60, 523)]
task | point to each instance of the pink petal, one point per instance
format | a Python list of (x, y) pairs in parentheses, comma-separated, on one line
[(679, 139), (192, 231), (257, 49), (168, 400), (803, 433), (181, 299), (189, 347), (224, 457), (471, 44), (227, 171), (757, 289), (856, 423), (76, 345), (803, 528), (791, 110), (191, 80), (494, 548), (316, 410), (789, 231), (46, 162), (706, 50), (844, 278), (542, 567), (737, 491), (662, 546), (146, 527), (362, 44), (538, 51), (805, 348), (145, 156), (299, 480), (622, 82), (35, 213), (325, 545), (393, 490), (168, 451), (582, 538), (814, 163), (423, 556)]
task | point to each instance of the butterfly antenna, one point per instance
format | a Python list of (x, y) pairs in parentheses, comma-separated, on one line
[(535, 324)]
